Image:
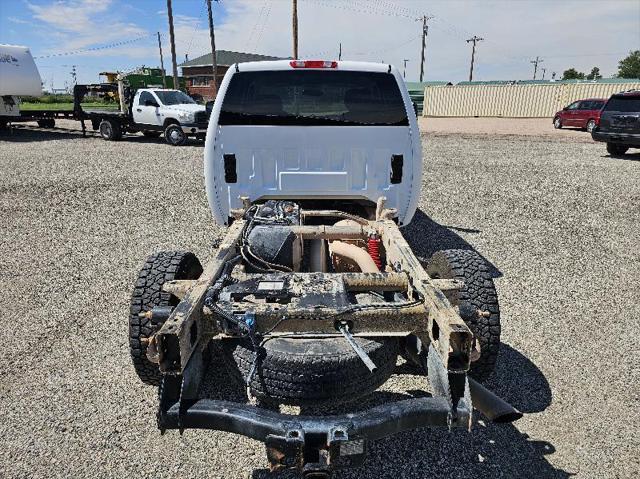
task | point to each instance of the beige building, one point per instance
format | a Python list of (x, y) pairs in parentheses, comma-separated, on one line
[(539, 100)]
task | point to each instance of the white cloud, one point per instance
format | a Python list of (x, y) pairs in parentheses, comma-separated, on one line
[(76, 24)]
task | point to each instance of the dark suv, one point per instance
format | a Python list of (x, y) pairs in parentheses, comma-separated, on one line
[(620, 123)]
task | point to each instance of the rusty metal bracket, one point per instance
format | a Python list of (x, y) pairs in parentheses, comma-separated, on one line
[(180, 334), (445, 329)]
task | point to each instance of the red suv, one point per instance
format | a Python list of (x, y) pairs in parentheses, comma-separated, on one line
[(582, 113)]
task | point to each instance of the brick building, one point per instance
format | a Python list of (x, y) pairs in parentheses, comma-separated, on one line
[(198, 72)]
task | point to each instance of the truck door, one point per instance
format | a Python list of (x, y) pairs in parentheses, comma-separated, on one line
[(146, 109), (571, 112), (583, 113)]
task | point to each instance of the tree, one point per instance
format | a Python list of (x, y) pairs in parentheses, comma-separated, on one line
[(595, 74), (572, 74), (629, 67)]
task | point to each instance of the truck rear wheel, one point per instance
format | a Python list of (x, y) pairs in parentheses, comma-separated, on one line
[(174, 135), (147, 293), (110, 130), (308, 372), (478, 291)]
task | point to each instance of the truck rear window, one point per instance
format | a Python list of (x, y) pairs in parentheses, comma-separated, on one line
[(313, 98), (628, 104)]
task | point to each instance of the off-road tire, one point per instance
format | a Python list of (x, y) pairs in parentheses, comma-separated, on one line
[(110, 129), (147, 293), (480, 292), (615, 149), (174, 135), (311, 372), (152, 134)]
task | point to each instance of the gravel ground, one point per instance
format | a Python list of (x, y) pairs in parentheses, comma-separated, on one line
[(538, 127), (558, 221)]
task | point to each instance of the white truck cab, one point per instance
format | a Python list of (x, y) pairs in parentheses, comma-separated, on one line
[(336, 134), (169, 111)]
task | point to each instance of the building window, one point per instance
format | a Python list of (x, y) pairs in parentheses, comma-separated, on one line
[(200, 81)]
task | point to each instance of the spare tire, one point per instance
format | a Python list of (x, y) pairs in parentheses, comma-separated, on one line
[(311, 372)]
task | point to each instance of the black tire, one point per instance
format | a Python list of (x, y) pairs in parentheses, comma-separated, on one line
[(110, 130), (616, 150), (151, 134), (591, 125), (47, 123), (147, 293), (174, 135), (478, 291), (557, 123), (311, 372)]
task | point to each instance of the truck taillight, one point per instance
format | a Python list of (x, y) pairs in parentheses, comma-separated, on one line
[(313, 64)]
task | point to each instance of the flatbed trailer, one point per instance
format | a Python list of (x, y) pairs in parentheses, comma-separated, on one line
[(46, 117), (175, 123)]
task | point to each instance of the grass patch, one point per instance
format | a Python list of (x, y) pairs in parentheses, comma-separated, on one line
[(67, 106)]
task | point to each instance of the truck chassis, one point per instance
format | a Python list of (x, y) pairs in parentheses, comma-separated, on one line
[(313, 305)]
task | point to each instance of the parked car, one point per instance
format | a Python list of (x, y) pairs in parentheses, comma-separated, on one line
[(582, 114), (620, 123)]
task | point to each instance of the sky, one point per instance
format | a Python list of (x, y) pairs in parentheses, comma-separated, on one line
[(109, 35)]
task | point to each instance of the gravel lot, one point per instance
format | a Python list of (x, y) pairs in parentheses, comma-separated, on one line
[(558, 221), (538, 127)]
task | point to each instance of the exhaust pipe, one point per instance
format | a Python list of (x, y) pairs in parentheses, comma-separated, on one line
[(493, 407)]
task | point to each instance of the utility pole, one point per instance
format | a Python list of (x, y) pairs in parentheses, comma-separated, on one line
[(295, 29), (172, 40), (212, 36), (475, 40), (340, 52), (425, 32), (544, 71), (164, 76), (535, 65), (404, 74)]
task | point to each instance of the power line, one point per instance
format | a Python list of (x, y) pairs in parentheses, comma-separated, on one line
[(361, 8), (255, 25), (263, 27), (368, 53), (196, 25), (93, 49)]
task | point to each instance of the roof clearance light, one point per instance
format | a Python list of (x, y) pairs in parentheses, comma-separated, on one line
[(313, 64)]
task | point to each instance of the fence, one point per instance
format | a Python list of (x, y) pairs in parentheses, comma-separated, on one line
[(513, 101)]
